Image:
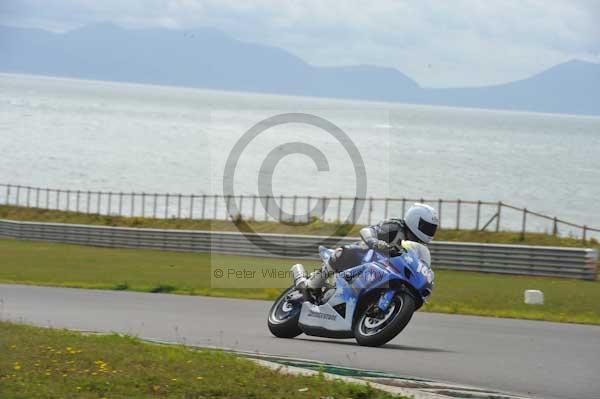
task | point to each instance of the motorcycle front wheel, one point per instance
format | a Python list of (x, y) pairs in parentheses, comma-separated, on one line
[(284, 315), (375, 328)]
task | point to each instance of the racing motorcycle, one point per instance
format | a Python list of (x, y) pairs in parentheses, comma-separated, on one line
[(372, 302)]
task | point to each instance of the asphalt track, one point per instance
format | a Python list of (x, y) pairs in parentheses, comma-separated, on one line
[(539, 359)]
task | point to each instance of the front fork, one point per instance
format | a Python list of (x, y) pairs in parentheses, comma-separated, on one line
[(386, 299)]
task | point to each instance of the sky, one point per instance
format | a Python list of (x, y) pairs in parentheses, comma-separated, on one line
[(436, 42)]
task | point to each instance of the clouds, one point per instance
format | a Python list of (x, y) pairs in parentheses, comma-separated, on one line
[(439, 43)]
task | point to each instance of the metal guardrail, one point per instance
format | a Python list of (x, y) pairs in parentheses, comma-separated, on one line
[(453, 214), (577, 263)]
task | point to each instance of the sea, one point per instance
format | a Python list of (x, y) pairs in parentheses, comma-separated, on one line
[(96, 135)]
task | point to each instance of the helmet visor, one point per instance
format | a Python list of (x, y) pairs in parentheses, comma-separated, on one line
[(427, 228)]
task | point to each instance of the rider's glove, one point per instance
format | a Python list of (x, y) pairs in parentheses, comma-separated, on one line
[(381, 245), (378, 245)]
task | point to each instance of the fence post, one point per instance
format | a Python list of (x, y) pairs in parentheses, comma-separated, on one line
[(478, 213), (167, 206), (227, 205), (88, 200), (109, 206), (294, 208), (555, 227), (253, 207), (370, 210), (403, 206), (215, 199), (241, 206), (154, 205), (524, 224), (354, 210), (308, 209), (143, 204), (192, 206), (584, 233), (132, 204), (8, 194), (37, 197), (385, 212), (280, 206), (68, 192), (98, 201), (458, 214), (203, 205), (339, 210), (267, 208), (27, 194), (120, 202), (179, 206), (18, 195), (77, 196), (440, 202), (323, 207), (498, 216), (48, 199)]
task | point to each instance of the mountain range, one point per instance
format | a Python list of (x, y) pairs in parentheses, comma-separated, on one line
[(209, 58)]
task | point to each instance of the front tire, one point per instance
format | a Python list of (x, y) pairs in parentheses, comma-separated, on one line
[(374, 329), (284, 315)]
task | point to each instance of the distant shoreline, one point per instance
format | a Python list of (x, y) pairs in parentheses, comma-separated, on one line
[(292, 96)]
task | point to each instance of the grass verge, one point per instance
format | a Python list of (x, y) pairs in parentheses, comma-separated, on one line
[(45, 363), (41, 263)]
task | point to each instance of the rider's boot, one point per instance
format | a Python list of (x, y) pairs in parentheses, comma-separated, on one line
[(315, 281), (299, 276), (318, 279)]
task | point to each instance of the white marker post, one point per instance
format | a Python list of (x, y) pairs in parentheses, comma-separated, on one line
[(534, 297)]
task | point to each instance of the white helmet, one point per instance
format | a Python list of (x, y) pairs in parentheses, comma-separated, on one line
[(422, 220)]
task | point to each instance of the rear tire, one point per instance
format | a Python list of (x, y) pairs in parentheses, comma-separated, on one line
[(284, 316), (370, 330)]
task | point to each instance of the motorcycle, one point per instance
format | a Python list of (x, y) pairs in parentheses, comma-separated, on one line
[(372, 302)]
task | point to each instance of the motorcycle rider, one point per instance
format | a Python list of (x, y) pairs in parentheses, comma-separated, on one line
[(420, 224)]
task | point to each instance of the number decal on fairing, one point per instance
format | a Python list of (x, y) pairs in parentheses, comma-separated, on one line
[(425, 271)]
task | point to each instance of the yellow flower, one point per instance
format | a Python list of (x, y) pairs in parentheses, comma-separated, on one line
[(17, 367), (199, 378), (173, 379)]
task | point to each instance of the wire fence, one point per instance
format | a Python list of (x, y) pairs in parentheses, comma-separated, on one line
[(453, 214)]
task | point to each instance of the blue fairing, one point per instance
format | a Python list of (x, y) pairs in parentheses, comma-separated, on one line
[(377, 271)]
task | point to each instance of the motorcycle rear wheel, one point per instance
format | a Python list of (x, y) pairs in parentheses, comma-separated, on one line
[(284, 316), (373, 329)]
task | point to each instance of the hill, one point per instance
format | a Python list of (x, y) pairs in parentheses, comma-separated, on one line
[(208, 58)]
